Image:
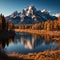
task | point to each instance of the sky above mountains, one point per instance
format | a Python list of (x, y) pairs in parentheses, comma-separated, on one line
[(9, 6)]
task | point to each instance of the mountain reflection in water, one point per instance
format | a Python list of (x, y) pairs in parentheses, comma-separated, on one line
[(26, 43)]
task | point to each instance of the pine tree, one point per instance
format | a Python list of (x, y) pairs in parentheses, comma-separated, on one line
[(3, 23)]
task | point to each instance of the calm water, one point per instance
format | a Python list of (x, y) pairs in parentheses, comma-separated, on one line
[(26, 43)]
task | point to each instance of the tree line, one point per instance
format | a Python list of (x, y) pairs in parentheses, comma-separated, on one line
[(5, 24), (47, 25)]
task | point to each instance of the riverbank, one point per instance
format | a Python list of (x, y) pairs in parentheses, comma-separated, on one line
[(46, 55), (44, 32)]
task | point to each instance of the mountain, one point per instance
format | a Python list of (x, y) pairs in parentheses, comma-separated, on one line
[(30, 15)]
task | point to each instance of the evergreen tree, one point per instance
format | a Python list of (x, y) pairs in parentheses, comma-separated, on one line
[(3, 23)]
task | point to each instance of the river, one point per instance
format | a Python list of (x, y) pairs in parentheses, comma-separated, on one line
[(24, 43)]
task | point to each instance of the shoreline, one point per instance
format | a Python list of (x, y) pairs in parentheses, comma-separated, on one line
[(46, 55), (44, 32)]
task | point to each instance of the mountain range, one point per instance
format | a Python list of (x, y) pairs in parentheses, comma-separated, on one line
[(30, 15)]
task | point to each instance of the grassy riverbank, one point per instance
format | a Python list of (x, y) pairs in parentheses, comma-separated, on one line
[(46, 55), (38, 31)]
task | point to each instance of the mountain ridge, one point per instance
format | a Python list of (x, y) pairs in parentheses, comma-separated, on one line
[(30, 15)]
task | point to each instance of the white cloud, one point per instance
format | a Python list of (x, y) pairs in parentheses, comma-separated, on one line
[(57, 15)]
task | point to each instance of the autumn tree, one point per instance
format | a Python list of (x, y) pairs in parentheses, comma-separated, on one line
[(55, 27), (0, 22), (4, 24), (58, 22)]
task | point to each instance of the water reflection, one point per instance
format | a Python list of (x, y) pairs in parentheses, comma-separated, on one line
[(25, 43), (5, 37)]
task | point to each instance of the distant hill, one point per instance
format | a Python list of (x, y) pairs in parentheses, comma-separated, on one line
[(30, 15)]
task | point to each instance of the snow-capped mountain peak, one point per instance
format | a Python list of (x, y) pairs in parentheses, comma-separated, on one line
[(32, 7), (15, 13), (30, 10), (45, 11)]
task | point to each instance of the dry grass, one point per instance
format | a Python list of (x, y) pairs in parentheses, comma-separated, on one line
[(46, 55), (38, 31)]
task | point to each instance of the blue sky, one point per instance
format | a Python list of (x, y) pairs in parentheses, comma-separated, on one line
[(9, 6)]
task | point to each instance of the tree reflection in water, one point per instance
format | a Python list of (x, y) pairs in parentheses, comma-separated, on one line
[(5, 39), (26, 43)]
